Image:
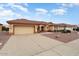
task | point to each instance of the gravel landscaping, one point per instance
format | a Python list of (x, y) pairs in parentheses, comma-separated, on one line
[(63, 37), (4, 36)]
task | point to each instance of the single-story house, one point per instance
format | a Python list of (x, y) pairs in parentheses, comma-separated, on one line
[(63, 26), (0, 27), (24, 26)]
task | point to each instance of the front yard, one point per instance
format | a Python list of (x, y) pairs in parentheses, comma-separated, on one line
[(63, 37)]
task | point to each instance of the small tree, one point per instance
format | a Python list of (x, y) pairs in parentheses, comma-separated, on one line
[(5, 28)]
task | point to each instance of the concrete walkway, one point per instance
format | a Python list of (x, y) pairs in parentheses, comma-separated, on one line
[(38, 45)]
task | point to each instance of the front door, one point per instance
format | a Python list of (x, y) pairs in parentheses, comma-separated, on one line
[(38, 29), (42, 28)]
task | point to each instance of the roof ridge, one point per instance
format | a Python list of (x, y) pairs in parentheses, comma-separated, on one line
[(26, 21)]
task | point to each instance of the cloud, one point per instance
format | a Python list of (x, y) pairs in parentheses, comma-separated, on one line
[(63, 9), (41, 11), (69, 4), (10, 14), (60, 11), (1, 8), (6, 13), (9, 11), (19, 6)]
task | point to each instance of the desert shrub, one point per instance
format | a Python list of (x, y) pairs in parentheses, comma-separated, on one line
[(77, 29), (66, 31), (50, 31)]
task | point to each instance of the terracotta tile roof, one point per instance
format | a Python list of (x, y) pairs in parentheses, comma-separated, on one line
[(50, 23), (25, 21), (63, 24)]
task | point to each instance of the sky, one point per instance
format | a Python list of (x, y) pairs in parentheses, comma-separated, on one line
[(49, 12)]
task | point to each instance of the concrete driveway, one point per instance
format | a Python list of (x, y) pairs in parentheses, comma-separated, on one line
[(38, 45)]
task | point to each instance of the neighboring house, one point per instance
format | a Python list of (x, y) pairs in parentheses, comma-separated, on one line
[(63, 26), (0, 27), (24, 26)]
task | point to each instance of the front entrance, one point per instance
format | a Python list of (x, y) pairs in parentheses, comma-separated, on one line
[(40, 28)]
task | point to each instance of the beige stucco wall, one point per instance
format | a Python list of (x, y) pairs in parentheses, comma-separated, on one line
[(24, 30), (55, 28), (0, 28), (51, 28), (11, 28), (33, 28), (46, 28), (60, 28), (69, 28), (36, 26), (20, 29), (40, 27)]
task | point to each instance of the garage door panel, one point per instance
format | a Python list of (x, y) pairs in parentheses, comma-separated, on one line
[(24, 30)]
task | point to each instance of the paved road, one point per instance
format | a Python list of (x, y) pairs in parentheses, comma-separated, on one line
[(4, 36)]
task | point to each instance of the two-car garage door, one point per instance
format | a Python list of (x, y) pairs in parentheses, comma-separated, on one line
[(24, 30)]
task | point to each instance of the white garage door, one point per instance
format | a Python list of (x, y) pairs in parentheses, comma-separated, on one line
[(23, 30)]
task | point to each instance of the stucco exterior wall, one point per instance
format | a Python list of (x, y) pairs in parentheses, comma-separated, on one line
[(0, 28), (55, 27), (46, 28), (70, 28), (36, 26), (40, 28), (11, 28), (51, 28), (60, 28), (23, 28)]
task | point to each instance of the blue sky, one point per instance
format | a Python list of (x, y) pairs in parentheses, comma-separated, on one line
[(50, 12)]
